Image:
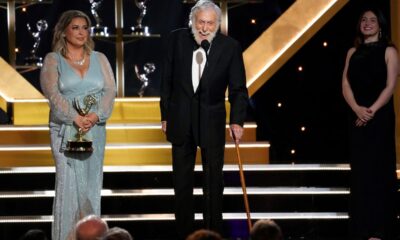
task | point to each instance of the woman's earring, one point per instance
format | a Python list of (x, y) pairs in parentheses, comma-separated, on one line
[(380, 34)]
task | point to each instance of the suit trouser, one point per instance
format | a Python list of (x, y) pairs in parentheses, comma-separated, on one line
[(184, 157)]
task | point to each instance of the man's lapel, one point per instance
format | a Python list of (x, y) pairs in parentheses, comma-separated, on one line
[(212, 60), (188, 47)]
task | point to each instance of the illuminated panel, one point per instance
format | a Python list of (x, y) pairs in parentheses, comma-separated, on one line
[(395, 25), (198, 167), (196, 191), (128, 154), (13, 86), (126, 110), (198, 216), (285, 37), (116, 133)]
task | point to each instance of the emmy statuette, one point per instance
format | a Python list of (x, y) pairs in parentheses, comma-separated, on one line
[(143, 77), (33, 59), (140, 29), (98, 29), (80, 144)]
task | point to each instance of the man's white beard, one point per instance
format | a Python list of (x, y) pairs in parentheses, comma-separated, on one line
[(197, 38)]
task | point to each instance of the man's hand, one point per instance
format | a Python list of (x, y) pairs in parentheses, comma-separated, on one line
[(164, 126), (236, 132)]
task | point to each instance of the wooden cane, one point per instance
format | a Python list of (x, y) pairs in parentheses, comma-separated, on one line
[(243, 183)]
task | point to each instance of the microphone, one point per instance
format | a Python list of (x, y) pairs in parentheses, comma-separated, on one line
[(205, 45)]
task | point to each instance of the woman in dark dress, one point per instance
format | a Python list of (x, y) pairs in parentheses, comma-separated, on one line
[(368, 83)]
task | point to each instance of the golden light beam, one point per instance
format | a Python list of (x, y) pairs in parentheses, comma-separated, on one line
[(395, 20), (13, 86), (285, 37)]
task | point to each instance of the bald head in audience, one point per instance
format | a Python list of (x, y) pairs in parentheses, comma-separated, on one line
[(91, 228)]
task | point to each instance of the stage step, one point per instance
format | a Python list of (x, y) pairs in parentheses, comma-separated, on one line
[(197, 192), (149, 176), (116, 133), (198, 216), (127, 154), (127, 144), (140, 198), (139, 201), (35, 111)]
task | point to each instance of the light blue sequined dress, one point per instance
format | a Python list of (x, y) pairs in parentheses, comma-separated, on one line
[(79, 176)]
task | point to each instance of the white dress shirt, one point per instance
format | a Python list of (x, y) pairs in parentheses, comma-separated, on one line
[(198, 64)]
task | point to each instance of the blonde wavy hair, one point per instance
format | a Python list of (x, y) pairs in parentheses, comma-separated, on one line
[(59, 43)]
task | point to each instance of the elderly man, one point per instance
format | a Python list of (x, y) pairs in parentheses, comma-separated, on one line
[(199, 65)]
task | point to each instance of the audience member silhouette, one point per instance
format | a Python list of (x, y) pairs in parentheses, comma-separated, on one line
[(266, 229), (91, 227), (204, 234), (34, 234), (117, 233)]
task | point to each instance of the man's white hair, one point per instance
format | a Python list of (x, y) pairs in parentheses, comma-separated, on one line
[(202, 5)]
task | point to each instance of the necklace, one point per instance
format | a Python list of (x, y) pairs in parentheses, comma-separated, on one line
[(79, 62)]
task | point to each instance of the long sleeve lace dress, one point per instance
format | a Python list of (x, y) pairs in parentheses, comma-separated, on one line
[(79, 176)]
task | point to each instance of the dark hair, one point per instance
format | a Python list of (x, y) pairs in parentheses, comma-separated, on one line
[(117, 233), (204, 234), (34, 234), (265, 229), (383, 26)]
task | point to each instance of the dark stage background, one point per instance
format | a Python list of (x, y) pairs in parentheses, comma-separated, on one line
[(311, 99)]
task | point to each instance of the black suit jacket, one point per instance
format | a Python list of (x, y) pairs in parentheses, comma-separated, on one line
[(202, 112)]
